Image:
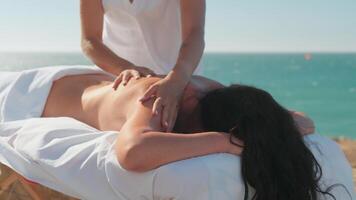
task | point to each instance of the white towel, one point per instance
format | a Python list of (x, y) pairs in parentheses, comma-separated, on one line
[(78, 160), (23, 94)]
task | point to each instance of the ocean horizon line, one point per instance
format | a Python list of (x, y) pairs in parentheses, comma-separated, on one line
[(206, 52)]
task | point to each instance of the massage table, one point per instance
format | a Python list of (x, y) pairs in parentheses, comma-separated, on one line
[(78, 160)]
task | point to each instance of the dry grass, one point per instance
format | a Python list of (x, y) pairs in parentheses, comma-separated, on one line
[(17, 192), (349, 147)]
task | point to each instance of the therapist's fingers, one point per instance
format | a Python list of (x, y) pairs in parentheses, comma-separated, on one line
[(163, 117), (117, 81), (149, 93), (157, 105), (136, 74), (172, 118), (126, 78), (144, 71), (166, 115)]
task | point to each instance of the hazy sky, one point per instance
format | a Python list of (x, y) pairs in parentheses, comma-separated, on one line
[(232, 25)]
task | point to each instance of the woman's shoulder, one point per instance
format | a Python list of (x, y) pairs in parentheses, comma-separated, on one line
[(142, 84)]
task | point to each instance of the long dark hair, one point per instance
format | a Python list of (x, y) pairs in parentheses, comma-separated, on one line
[(275, 161)]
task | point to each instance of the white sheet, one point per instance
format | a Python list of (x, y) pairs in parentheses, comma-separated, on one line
[(78, 160), (23, 94), (75, 159)]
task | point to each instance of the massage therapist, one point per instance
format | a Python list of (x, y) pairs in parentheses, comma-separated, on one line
[(136, 38)]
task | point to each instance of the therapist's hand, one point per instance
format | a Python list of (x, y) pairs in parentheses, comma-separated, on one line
[(167, 93), (135, 72)]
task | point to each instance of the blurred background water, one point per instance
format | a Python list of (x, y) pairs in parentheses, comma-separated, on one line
[(321, 85)]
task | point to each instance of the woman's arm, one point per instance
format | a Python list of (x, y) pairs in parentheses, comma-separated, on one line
[(142, 145), (92, 15), (151, 149)]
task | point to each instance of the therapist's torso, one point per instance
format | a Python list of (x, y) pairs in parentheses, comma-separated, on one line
[(144, 32)]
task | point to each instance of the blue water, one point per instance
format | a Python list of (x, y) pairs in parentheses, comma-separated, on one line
[(323, 87)]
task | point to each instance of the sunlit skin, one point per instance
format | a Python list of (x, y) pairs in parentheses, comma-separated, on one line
[(143, 143), (170, 88)]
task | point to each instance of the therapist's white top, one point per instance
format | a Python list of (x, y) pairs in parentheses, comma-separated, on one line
[(145, 32)]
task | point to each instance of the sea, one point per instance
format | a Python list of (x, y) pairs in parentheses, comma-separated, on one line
[(322, 85)]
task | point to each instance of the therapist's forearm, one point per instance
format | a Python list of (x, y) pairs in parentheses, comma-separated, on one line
[(189, 56), (153, 149), (103, 57)]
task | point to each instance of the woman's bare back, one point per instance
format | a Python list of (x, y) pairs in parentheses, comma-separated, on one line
[(91, 99)]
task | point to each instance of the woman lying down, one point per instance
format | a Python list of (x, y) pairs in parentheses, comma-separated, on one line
[(238, 119)]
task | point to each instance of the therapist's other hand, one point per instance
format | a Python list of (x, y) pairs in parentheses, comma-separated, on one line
[(167, 93), (135, 72), (304, 124)]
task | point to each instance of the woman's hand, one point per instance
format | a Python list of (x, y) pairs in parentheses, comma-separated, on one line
[(167, 93), (304, 123), (233, 145), (134, 72)]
